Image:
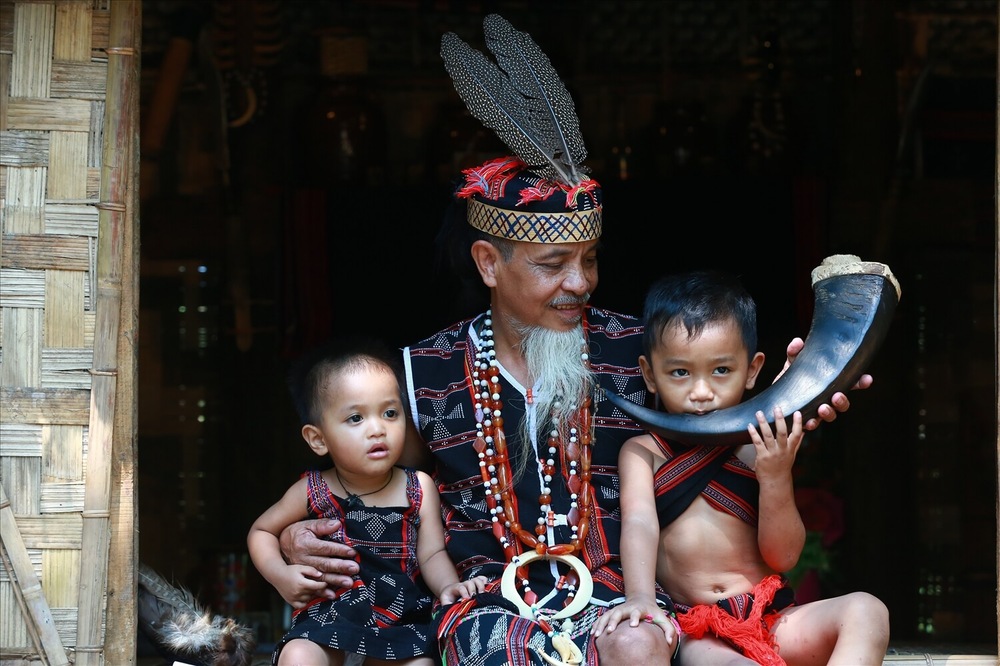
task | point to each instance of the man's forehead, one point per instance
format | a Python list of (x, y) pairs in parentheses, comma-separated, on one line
[(556, 250)]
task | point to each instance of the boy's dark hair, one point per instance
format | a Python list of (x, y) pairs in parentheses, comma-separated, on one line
[(309, 373), (696, 299)]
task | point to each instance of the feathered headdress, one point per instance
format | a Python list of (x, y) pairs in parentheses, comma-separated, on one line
[(523, 100)]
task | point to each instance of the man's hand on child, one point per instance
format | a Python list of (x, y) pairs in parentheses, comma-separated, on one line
[(302, 543), (839, 402)]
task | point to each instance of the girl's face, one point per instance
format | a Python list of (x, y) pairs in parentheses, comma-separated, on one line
[(701, 374), (363, 426)]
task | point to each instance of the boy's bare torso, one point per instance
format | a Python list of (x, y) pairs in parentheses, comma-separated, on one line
[(703, 556)]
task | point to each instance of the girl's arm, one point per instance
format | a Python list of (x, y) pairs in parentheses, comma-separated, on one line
[(436, 566), (297, 584)]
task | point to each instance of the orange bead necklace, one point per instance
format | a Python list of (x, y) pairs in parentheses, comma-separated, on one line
[(494, 465)]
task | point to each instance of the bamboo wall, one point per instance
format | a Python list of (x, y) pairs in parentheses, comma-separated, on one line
[(68, 292)]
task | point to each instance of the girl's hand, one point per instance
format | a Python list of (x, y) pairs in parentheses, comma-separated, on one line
[(463, 590), (300, 584)]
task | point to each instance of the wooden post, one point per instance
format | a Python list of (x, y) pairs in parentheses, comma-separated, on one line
[(112, 438), (123, 556)]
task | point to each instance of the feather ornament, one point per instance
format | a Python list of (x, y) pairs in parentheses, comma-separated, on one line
[(521, 98), (478, 179), (174, 620)]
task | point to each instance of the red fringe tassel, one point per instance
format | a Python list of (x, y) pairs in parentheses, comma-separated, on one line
[(752, 635)]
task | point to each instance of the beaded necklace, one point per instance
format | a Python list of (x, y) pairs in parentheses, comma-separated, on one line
[(494, 466)]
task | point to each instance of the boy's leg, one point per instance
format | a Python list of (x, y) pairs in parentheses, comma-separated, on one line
[(852, 629), (709, 651)]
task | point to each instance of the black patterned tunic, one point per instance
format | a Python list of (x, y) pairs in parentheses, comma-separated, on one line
[(438, 386), (387, 612)]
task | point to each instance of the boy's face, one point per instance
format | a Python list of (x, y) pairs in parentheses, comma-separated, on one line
[(698, 375), (363, 426)]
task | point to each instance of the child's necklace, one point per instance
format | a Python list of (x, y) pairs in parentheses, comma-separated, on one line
[(354, 500)]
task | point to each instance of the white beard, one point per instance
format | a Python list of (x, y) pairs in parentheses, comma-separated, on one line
[(555, 365)]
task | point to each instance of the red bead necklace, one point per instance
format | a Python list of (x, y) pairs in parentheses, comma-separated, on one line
[(494, 466)]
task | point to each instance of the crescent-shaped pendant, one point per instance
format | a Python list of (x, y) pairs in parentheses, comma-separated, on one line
[(584, 590)]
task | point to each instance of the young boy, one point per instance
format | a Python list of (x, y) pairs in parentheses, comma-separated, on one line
[(714, 526)]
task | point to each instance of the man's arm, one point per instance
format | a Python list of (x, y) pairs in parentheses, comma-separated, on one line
[(301, 542)]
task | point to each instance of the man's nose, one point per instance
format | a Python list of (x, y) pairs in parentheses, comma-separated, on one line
[(576, 281)]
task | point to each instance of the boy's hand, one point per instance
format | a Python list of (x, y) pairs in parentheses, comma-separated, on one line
[(775, 451)]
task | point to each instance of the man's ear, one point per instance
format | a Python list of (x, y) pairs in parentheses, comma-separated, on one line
[(647, 374), (486, 257), (756, 363), (314, 438)]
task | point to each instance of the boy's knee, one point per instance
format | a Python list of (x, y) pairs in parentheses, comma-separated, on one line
[(870, 606), (871, 612)]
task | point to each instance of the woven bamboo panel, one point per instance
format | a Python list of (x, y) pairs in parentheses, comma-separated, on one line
[(61, 238)]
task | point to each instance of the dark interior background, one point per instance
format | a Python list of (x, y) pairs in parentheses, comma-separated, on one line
[(297, 159)]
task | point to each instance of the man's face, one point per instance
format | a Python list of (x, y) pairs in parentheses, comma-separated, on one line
[(547, 284)]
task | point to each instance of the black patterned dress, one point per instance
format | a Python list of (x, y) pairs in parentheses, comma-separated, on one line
[(387, 612)]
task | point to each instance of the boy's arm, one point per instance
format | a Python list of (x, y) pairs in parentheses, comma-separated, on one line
[(781, 534), (640, 525), (639, 543)]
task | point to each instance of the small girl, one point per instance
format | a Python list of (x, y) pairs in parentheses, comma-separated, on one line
[(350, 403)]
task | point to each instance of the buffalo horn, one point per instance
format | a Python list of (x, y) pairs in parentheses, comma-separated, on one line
[(854, 305)]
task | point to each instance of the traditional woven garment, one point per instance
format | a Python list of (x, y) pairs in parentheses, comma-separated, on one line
[(744, 620), (717, 474), (713, 472), (387, 612), (485, 630)]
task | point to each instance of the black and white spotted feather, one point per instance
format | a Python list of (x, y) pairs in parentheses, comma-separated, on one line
[(521, 98), (173, 619)]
